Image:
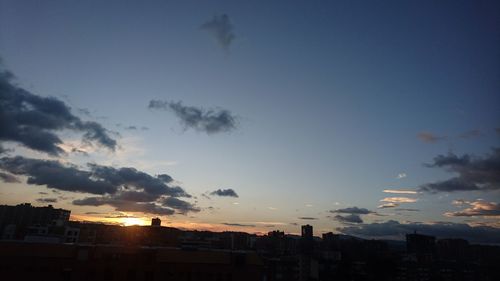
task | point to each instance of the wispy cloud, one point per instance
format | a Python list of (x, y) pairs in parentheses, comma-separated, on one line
[(221, 29), (428, 137), (470, 134), (399, 200), (477, 208), (388, 205), (401, 176), (400, 191), (209, 121), (238, 224), (307, 218)]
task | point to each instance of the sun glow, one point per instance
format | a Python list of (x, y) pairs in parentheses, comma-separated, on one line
[(132, 221)]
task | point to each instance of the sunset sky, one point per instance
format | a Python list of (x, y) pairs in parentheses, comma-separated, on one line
[(369, 118)]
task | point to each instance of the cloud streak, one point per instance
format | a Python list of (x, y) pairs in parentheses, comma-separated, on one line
[(399, 191), (209, 121), (399, 200)]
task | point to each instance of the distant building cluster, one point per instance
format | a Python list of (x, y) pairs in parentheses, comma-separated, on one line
[(40, 243)]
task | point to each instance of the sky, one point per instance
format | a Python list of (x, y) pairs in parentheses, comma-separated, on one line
[(368, 118)]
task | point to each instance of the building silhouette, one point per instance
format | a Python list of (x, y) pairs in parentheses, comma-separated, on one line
[(155, 222)]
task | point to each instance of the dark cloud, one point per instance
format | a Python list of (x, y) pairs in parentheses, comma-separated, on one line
[(130, 177), (474, 173), (126, 189), (56, 175), (307, 218), (393, 229), (181, 206), (238, 224), (209, 121), (33, 121), (165, 178), (353, 210), (224, 192), (428, 137), (6, 177), (46, 200), (348, 218), (221, 29), (479, 208)]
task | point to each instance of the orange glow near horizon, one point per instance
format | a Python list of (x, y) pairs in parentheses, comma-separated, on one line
[(185, 225)]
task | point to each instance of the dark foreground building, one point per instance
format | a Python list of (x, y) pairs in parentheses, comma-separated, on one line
[(66, 262)]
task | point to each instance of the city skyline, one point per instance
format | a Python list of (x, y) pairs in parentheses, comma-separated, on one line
[(371, 120)]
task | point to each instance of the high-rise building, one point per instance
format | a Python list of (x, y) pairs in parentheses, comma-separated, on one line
[(307, 232), (156, 222)]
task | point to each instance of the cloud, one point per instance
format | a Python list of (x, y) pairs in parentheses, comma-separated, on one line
[(9, 178), (399, 191), (394, 229), (33, 121), (46, 200), (307, 218), (181, 206), (353, 210), (55, 175), (238, 224), (474, 173), (125, 206), (348, 218), (478, 208), (388, 205), (470, 134), (225, 193), (399, 200), (428, 137), (221, 29), (209, 121), (126, 189), (407, 209)]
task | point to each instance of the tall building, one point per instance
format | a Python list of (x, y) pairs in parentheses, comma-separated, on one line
[(156, 222), (307, 232)]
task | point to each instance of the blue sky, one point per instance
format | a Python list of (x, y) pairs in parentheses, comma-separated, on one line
[(329, 99)]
